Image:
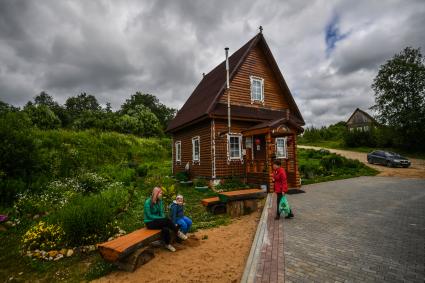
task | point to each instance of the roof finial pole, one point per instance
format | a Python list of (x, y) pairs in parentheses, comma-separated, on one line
[(261, 29)]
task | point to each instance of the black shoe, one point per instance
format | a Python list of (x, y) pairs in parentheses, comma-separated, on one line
[(277, 217), (290, 215)]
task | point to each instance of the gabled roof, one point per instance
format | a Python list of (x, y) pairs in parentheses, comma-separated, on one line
[(364, 113), (205, 97)]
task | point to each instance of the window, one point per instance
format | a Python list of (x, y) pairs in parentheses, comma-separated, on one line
[(257, 89), (281, 148), (234, 142), (178, 151), (195, 149)]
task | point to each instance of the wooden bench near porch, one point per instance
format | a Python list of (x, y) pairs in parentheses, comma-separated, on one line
[(235, 203), (131, 250)]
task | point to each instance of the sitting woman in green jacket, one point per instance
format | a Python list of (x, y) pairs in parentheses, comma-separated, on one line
[(155, 219)]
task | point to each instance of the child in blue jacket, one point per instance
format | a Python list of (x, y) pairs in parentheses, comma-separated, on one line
[(177, 215)]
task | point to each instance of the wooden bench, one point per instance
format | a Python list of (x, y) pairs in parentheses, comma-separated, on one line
[(235, 203), (125, 251)]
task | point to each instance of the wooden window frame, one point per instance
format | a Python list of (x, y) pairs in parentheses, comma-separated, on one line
[(285, 148), (234, 135), (178, 150), (197, 138), (261, 80)]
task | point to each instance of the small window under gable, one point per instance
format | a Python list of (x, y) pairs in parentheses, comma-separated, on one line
[(234, 147), (257, 89), (178, 151), (281, 150), (196, 151)]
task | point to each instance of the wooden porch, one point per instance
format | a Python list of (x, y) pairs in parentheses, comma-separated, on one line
[(261, 153)]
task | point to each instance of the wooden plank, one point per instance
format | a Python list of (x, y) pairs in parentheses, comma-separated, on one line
[(241, 195), (210, 201), (121, 247)]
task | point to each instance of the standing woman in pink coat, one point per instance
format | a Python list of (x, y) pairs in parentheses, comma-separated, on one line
[(280, 186)]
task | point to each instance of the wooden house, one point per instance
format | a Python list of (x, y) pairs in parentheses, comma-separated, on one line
[(265, 121), (360, 121)]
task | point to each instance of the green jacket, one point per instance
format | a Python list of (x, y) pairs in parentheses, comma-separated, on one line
[(152, 212)]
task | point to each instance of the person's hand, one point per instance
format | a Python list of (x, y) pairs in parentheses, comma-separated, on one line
[(273, 179)]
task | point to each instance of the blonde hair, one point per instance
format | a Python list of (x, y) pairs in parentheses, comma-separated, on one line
[(155, 192)]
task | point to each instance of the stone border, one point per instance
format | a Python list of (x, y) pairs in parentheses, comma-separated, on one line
[(254, 255)]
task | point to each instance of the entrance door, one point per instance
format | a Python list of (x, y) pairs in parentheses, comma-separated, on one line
[(259, 147)]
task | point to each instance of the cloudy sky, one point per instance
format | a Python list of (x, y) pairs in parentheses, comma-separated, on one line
[(328, 51)]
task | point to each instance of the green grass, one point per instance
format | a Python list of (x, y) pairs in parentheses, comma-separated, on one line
[(313, 170), (364, 149), (113, 156)]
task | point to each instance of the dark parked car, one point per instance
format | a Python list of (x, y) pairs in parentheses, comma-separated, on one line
[(387, 158)]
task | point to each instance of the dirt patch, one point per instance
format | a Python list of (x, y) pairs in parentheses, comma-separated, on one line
[(213, 255), (416, 169)]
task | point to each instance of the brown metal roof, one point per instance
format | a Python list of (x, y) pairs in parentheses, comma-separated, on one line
[(271, 124), (203, 101)]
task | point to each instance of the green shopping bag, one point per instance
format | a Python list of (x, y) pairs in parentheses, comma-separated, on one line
[(284, 207)]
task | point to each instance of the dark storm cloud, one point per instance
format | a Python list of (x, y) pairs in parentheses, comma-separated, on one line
[(328, 51)]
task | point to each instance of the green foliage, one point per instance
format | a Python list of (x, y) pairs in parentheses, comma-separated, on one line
[(99, 269), (331, 133), (168, 195), (44, 237), (91, 182), (231, 185), (400, 97), (18, 148), (200, 182), (87, 220), (163, 113), (182, 176), (319, 166), (142, 170), (10, 189), (42, 117)]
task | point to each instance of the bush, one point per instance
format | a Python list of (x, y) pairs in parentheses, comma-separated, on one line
[(182, 176), (199, 182), (311, 170), (142, 170), (87, 220), (92, 183), (10, 190), (331, 161), (44, 237), (231, 184)]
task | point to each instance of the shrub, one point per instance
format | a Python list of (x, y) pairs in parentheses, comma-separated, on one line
[(142, 170), (311, 170), (10, 190), (91, 182), (168, 195), (182, 176), (231, 184), (199, 182), (43, 236), (87, 220), (331, 161)]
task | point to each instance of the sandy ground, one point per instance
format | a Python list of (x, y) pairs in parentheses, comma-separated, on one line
[(416, 170), (213, 255)]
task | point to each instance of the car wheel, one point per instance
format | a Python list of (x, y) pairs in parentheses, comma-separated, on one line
[(389, 164), (369, 160)]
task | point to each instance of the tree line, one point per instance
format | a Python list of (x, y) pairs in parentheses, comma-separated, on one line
[(142, 114), (399, 90)]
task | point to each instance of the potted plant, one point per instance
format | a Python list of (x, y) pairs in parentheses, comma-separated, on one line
[(201, 185)]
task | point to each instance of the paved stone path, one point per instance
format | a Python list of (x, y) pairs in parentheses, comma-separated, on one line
[(367, 229)]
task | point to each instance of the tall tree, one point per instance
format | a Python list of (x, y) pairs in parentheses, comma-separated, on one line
[(400, 97), (162, 112)]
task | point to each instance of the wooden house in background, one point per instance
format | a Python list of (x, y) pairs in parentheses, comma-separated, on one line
[(265, 121), (360, 121)]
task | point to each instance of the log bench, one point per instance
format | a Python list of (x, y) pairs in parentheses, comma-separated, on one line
[(235, 203), (131, 250)]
